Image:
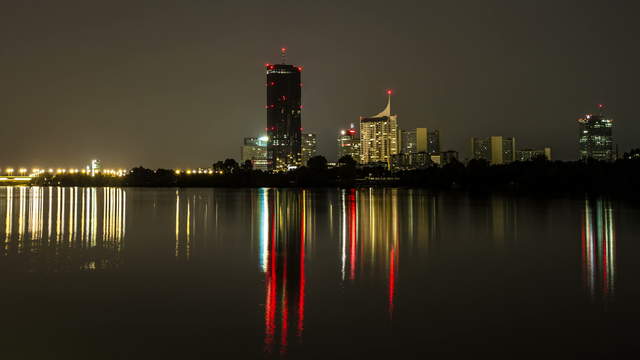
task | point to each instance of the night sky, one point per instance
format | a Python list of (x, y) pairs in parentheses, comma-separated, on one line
[(180, 83)]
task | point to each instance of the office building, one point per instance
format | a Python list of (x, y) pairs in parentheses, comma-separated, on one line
[(433, 141), (284, 102), (420, 140), (349, 143), (379, 136), (532, 154), (309, 147), (495, 149), (444, 157), (410, 161), (595, 137), (254, 149)]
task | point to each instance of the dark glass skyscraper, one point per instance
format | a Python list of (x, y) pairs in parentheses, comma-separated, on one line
[(284, 100), (595, 138)]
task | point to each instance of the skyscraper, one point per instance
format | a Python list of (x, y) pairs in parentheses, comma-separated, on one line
[(284, 103), (595, 138), (309, 147), (495, 149), (420, 140), (379, 136), (349, 143)]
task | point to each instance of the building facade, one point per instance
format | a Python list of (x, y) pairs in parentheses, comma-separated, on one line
[(284, 103), (410, 161), (254, 149), (309, 147), (419, 140), (379, 136), (495, 149), (444, 158), (595, 138), (533, 154), (349, 143), (433, 142)]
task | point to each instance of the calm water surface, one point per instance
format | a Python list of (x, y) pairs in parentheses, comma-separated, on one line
[(261, 273)]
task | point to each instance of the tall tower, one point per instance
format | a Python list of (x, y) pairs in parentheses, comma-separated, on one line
[(284, 126), (379, 136)]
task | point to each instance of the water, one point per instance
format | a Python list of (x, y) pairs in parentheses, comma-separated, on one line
[(329, 273)]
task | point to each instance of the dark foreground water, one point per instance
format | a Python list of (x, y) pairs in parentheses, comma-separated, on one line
[(92, 273)]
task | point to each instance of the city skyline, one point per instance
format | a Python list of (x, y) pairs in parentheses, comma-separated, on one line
[(123, 92)]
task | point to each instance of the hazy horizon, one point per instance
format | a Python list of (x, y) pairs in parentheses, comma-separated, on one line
[(180, 84)]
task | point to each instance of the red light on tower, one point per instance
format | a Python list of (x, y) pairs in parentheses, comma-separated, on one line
[(284, 49), (600, 106), (300, 68), (389, 92)]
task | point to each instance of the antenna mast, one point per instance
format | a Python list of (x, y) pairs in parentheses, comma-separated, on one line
[(283, 55)]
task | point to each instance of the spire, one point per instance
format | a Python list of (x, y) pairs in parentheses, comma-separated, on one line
[(283, 54), (387, 111)]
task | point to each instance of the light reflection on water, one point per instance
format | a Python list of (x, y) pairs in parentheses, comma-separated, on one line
[(599, 248), (375, 236), (86, 225)]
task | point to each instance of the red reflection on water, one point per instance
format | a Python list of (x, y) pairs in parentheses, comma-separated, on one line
[(352, 233), (285, 276), (392, 279), (270, 302), (598, 237), (303, 279), (285, 312)]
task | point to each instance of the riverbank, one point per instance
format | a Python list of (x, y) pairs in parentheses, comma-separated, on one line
[(621, 178)]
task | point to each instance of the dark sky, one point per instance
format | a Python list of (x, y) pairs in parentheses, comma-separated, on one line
[(180, 83)]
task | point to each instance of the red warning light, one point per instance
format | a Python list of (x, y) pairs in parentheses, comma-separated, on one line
[(351, 131), (600, 106), (389, 92), (283, 49), (300, 68)]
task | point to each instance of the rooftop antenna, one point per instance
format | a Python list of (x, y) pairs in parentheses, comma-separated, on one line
[(283, 55), (601, 108)]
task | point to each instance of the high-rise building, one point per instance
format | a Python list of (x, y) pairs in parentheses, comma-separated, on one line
[(349, 143), (254, 149), (413, 140), (433, 142), (420, 140), (284, 104), (532, 154), (495, 149), (309, 147), (379, 138), (595, 138)]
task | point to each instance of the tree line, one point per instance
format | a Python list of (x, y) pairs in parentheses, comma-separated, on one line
[(539, 175)]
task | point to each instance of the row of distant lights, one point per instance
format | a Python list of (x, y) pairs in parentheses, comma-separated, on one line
[(198, 171), (37, 172)]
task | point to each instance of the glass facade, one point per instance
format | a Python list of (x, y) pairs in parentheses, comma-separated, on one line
[(595, 138), (495, 149), (284, 126), (309, 147), (349, 144)]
